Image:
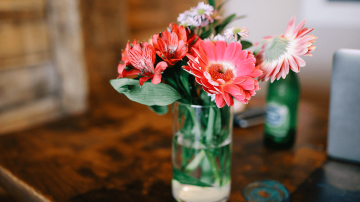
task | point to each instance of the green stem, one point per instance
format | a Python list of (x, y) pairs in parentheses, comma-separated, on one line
[(213, 167), (195, 162), (210, 127), (196, 128), (209, 135)]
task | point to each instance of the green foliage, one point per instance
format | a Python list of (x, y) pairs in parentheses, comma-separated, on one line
[(186, 179), (207, 33), (184, 78), (220, 27), (246, 44), (205, 99), (212, 3), (148, 94), (161, 110)]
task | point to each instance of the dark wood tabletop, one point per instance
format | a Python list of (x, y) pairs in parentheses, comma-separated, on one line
[(121, 151)]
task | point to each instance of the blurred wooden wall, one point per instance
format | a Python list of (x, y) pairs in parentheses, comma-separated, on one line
[(42, 73)]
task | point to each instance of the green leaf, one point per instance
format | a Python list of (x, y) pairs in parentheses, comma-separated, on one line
[(214, 168), (195, 162), (172, 83), (246, 44), (149, 94), (223, 24), (161, 110), (206, 100), (209, 132), (219, 28), (207, 33), (184, 78), (186, 179), (212, 3)]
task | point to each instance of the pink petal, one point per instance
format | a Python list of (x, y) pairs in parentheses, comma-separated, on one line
[(220, 47), (220, 102), (138, 48), (304, 32), (240, 97), (299, 60), (207, 75), (228, 99), (229, 52), (256, 73), (154, 41), (160, 67), (290, 26), (241, 56), (121, 67), (239, 80), (293, 65), (232, 89), (221, 81), (208, 48), (181, 50), (245, 69), (300, 26), (248, 81), (276, 71), (201, 55), (247, 87), (156, 79)]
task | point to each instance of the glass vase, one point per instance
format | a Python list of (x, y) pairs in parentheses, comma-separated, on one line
[(201, 152)]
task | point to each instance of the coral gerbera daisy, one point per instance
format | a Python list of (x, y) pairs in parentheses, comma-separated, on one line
[(278, 54), (224, 70), (171, 45), (139, 59)]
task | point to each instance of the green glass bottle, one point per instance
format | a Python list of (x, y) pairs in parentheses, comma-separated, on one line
[(281, 112)]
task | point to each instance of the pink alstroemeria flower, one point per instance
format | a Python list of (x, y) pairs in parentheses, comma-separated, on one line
[(224, 70), (139, 59)]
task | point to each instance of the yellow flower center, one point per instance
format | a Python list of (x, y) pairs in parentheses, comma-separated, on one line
[(201, 11), (218, 71)]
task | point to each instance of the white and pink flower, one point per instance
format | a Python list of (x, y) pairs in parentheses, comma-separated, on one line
[(235, 31), (278, 54), (199, 16)]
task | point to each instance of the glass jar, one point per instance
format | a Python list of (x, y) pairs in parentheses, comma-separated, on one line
[(201, 152)]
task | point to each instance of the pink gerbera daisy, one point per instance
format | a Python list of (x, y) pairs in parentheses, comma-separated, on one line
[(278, 54), (224, 70), (139, 59)]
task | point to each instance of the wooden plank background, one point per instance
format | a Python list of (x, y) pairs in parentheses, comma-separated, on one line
[(42, 73)]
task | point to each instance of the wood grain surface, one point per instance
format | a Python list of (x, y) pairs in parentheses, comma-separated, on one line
[(121, 151)]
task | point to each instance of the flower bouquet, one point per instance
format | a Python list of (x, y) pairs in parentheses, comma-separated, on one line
[(200, 71)]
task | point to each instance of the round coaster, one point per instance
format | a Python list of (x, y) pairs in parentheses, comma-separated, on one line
[(266, 191)]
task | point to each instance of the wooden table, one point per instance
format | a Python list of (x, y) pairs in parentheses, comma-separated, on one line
[(121, 151)]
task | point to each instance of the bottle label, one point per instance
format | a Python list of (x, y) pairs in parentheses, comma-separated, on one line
[(277, 120)]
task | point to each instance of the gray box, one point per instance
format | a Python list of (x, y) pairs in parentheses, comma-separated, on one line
[(344, 119)]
